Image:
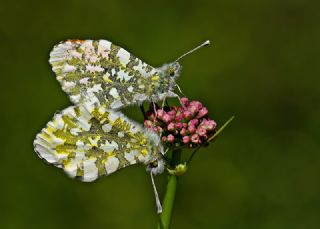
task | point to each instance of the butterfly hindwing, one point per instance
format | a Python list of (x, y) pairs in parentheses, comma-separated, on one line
[(101, 72), (90, 141)]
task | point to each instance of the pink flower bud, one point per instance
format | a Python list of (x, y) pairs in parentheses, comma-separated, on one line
[(201, 131), (178, 125), (179, 118), (195, 138), (208, 124), (172, 112), (171, 126), (167, 118), (197, 104), (170, 138), (192, 129), (184, 101), (148, 123), (183, 131), (187, 124), (160, 113), (202, 112), (186, 139), (193, 109), (187, 114), (193, 122)]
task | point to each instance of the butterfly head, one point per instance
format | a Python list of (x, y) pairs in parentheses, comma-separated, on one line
[(172, 70), (156, 166), (168, 76)]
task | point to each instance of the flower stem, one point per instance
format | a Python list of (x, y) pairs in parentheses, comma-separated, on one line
[(169, 197), (211, 138)]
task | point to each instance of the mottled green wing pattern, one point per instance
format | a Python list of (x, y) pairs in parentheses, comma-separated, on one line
[(89, 141), (101, 72)]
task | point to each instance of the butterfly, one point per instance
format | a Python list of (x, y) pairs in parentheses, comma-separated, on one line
[(98, 71), (89, 141)]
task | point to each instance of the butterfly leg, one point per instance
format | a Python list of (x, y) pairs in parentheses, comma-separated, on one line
[(180, 100), (163, 102), (179, 89), (154, 108)]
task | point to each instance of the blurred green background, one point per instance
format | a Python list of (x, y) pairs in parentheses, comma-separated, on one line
[(262, 173)]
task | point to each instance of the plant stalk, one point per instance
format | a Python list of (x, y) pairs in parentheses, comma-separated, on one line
[(169, 197)]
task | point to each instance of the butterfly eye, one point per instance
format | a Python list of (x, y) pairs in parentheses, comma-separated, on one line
[(171, 71), (154, 164)]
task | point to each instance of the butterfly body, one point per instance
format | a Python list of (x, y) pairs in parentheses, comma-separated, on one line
[(98, 71)]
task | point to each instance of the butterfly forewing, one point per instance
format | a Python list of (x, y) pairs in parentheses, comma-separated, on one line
[(89, 141), (101, 72)]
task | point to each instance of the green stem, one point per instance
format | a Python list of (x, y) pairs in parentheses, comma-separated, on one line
[(169, 197), (211, 138), (221, 129)]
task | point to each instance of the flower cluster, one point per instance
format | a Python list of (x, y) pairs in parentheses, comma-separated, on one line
[(187, 124)]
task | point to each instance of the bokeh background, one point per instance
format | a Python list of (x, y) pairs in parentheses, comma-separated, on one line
[(263, 67)]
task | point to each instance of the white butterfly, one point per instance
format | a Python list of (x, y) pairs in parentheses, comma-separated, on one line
[(101, 72)]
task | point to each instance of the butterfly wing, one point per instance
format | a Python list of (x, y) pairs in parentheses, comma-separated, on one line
[(101, 72), (88, 142)]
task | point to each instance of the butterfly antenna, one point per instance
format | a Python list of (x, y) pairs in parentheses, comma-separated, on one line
[(207, 42), (159, 207)]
